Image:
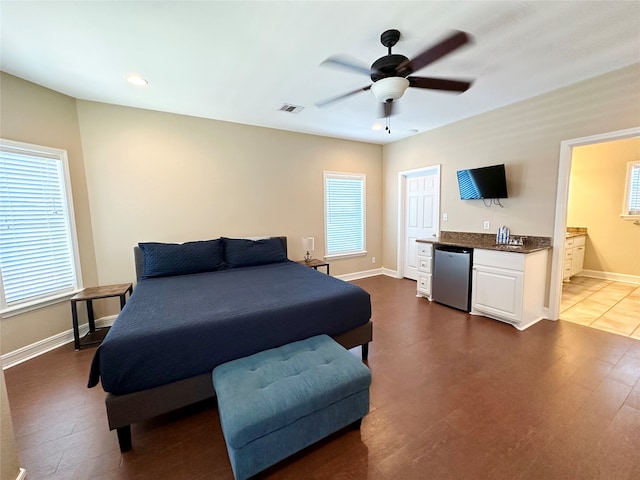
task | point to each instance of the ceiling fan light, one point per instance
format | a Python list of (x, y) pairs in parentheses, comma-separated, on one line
[(390, 88)]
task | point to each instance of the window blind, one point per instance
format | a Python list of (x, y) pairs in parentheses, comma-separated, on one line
[(344, 213), (633, 189), (37, 258)]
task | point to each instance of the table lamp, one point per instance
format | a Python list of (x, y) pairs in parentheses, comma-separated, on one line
[(308, 245)]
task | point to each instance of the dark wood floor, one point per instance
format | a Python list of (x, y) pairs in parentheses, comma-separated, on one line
[(453, 397)]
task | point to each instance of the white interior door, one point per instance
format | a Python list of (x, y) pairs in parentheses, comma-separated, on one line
[(422, 206)]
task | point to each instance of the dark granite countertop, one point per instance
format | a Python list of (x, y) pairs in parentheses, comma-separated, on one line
[(487, 241)]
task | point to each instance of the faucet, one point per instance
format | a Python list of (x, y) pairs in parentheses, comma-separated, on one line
[(516, 241)]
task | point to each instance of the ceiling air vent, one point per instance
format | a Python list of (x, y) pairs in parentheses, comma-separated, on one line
[(287, 107)]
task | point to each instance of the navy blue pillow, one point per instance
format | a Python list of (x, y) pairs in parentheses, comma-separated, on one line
[(240, 252), (169, 259)]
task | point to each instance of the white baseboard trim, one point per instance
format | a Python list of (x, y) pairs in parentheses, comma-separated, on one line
[(22, 475), (23, 354), (390, 273), (616, 277), (347, 277)]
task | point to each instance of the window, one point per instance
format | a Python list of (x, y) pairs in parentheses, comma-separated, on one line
[(632, 191), (38, 248), (344, 202)]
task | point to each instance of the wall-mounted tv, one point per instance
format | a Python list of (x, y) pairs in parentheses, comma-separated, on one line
[(485, 182)]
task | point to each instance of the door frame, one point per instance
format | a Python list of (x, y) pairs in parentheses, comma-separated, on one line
[(402, 186), (562, 200)]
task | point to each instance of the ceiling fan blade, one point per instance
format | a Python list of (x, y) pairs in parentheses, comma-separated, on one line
[(448, 45), (439, 84), (346, 63), (324, 103)]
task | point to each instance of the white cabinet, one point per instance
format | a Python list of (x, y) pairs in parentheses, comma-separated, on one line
[(497, 291), (425, 268), (568, 254), (573, 256), (577, 260), (509, 286), (577, 257)]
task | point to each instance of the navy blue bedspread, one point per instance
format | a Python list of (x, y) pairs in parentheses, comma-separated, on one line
[(173, 328)]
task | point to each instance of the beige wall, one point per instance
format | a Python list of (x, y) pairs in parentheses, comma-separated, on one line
[(525, 137), (162, 177), (598, 176), (33, 114)]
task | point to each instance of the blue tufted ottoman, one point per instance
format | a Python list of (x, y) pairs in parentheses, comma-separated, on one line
[(277, 402)]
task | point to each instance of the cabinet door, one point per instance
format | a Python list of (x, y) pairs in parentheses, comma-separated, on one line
[(577, 260), (498, 292)]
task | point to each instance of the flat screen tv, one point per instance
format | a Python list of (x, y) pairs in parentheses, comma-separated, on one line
[(485, 182)]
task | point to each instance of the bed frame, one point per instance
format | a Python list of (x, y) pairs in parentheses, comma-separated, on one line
[(124, 410)]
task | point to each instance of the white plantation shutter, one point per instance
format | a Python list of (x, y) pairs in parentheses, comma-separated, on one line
[(632, 201), (37, 234), (344, 199)]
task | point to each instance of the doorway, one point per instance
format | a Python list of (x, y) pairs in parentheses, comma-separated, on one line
[(418, 215), (562, 197)]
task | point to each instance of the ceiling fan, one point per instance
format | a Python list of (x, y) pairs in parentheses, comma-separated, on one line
[(392, 74)]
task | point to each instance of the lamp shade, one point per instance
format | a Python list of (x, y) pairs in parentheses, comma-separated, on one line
[(308, 244), (390, 88)]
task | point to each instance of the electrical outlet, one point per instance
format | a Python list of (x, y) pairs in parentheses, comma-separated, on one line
[(486, 225), (373, 259), (445, 217)]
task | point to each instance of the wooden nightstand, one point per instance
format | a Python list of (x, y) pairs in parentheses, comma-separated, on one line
[(314, 263), (95, 335)]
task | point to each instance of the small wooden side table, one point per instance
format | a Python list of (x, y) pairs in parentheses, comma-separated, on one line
[(95, 335), (315, 263)]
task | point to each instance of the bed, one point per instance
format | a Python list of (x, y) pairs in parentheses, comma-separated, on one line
[(200, 304)]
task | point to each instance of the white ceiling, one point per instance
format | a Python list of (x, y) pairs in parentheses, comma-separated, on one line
[(240, 61)]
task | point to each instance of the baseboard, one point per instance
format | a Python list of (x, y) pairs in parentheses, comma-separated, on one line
[(22, 475), (23, 354), (390, 273), (545, 314), (616, 277), (347, 277)]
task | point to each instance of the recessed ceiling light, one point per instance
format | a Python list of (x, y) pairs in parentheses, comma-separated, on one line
[(376, 126), (137, 80)]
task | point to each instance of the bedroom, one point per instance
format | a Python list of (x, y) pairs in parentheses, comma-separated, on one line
[(111, 148)]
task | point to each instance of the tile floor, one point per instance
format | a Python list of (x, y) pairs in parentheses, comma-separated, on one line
[(603, 304)]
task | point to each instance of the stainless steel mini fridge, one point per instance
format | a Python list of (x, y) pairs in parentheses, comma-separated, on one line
[(452, 276)]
